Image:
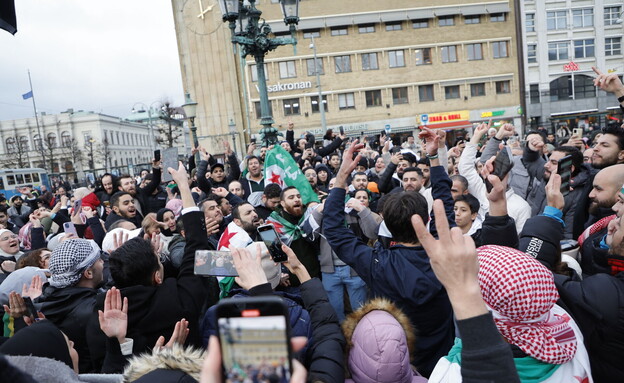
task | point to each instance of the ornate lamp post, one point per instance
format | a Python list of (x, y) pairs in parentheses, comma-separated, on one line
[(252, 34), (190, 109)]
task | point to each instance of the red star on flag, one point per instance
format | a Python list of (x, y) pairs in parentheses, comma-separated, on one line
[(224, 242), (276, 179)]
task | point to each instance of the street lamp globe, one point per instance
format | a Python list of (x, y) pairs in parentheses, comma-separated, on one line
[(290, 10), (229, 9), (243, 21), (189, 106)]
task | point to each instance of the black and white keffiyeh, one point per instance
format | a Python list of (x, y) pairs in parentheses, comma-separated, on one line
[(70, 259)]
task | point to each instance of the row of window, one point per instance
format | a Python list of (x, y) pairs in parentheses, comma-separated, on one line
[(122, 138), (396, 59), (442, 21), (580, 18), (23, 144), (569, 87), (373, 98), (560, 50)]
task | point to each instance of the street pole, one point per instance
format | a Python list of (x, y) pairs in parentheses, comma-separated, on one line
[(195, 140), (318, 87), (43, 160)]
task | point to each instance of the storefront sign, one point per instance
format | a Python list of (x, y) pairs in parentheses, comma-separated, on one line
[(496, 113), (279, 87), (438, 118), (571, 67)]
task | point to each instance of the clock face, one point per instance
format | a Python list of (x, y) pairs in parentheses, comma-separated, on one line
[(202, 17)]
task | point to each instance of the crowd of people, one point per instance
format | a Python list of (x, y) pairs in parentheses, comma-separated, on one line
[(407, 262)]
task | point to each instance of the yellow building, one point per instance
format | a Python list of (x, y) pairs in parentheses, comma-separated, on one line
[(394, 64)]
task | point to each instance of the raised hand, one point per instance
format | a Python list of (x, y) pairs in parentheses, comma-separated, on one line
[(180, 333), (431, 139), (35, 289), (17, 307), (119, 239), (179, 175), (114, 318), (249, 267), (212, 226), (479, 131), (507, 130), (554, 197), (221, 192), (294, 265), (348, 164), (608, 82)]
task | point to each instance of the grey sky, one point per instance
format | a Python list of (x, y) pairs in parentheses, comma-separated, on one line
[(97, 55)]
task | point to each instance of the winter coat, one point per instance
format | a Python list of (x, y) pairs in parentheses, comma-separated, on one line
[(401, 274), (52, 371), (380, 340), (176, 250), (176, 364)]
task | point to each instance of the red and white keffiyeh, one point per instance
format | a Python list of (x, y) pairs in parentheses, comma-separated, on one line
[(521, 293)]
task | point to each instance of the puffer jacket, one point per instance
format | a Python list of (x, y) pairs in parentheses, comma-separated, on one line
[(380, 339), (176, 364)]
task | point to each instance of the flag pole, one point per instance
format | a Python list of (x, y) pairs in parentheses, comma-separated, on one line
[(37, 121)]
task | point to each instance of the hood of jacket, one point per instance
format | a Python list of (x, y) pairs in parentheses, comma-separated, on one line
[(57, 303), (187, 360), (579, 181), (380, 339)]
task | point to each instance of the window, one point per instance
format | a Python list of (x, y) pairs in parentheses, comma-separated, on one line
[(373, 98), (287, 69), (259, 109), (368, 28), (314, 101), (52, 140), (477, 90), (613, 46), (397, 58), (449, 54), (532, 53), (561, 89), (534, 94), (254, 72), (503, 87), (420, 23), (425, 93), (423, 56), (451, 92), (446, 21), (556, 20), (497, 17), (558, 51), (66, 139), (584, 48), (611, 15), (23, 144), (291, 106), (399, 96), (584, 87), (37, 141), (474, 51), (312, 70), (369, 61), (474, 19), (530, 22), (339, 31), (343, 64), (316, 33), (583, 18), (499, 49), (395, 26), (346, 101)]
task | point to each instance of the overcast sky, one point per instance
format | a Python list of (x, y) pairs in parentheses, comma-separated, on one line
[(99, 55)]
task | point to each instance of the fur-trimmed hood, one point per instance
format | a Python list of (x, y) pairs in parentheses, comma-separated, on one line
[(380, 340), (187, 360)]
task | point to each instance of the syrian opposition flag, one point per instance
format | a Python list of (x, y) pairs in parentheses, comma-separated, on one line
[(280, 168), (234, 235)]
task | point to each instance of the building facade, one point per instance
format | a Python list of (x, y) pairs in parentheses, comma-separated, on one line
[(563, 40), (75, 144), (392, 65)]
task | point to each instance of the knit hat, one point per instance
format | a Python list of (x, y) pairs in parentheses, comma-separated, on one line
[(521, 294), (175, 205), (70, 259), (90, 200)]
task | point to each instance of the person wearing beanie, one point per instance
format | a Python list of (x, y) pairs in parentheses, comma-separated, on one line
[(76, 273)]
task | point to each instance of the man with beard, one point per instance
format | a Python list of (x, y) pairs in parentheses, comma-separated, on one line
[(289, 220), (123, 207), (390, 180), (580, 174), (244, 217), (104, 194), (77, 271), (127, 183), (596, 302)]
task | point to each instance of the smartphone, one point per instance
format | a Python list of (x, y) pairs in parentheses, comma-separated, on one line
[(255, 338), (564, 169), (502, 165), (106, 203), (341, 129), (577, 132), (77, 207), (157, 155), (31, 311), (214, 263), (68, 227), (272, 242), (253, 140)]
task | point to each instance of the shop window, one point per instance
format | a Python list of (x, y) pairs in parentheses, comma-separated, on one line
[(584, 87), (561, 89)]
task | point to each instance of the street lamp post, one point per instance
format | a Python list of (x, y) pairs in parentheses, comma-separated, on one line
[(252, 34), (91, 161), (233, 132), (318, 86), (190, 110), (150, 126)]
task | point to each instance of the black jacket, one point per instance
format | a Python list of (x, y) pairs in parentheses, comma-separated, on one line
[(154, 310), (70, 309), (142, 194)]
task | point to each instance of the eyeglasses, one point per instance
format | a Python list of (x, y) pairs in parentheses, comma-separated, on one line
[(7, 237)]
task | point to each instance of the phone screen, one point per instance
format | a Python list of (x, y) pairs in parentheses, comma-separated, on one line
[(254, 347), (217, 263), (156, 155), (77, 207), (273, 243), (564, 169), (502, 165)]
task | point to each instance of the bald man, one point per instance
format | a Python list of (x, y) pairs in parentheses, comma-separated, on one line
[(607, 185)]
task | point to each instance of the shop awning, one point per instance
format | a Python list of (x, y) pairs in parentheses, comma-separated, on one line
[(451, 125)]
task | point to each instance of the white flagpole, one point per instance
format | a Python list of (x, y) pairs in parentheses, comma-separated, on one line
[(37, 120)]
